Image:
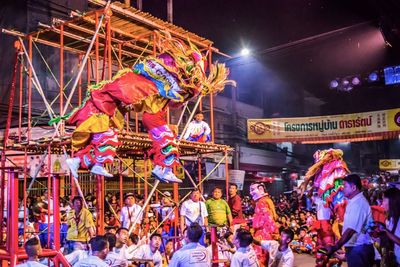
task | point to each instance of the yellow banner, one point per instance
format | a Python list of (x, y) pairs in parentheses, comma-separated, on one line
[(389, 164), (375, 125)]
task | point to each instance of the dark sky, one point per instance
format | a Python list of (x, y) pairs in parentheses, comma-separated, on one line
[(298, 47), (283, 71)]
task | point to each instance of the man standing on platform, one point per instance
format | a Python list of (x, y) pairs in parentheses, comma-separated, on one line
[(219, 213), (131, 213), (81, 227), (235, 202), (193, 210)]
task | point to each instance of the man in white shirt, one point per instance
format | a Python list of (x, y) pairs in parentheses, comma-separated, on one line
[(280, 254), (245, 256), (355, 239), (33, 250), (198, 130), (150, 251), (122, 236), (193, 210), (131, 213), (100, 249), (113, 258), (192, 254)]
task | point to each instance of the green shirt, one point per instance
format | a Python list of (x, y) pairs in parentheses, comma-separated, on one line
[(218, 211)]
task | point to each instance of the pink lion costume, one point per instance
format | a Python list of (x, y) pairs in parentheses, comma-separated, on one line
[(326, 176), (154, 84)]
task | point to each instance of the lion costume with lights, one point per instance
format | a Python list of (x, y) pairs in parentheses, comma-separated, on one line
[(154, 84), (326, 176)]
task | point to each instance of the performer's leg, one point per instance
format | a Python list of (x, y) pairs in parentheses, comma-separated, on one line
[(164, 151), (105, 146), (100, 151)]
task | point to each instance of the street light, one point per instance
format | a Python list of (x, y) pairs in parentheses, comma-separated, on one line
[(245, 52)]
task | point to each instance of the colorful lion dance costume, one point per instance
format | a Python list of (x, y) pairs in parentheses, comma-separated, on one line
[(153, 85), (327, 175)]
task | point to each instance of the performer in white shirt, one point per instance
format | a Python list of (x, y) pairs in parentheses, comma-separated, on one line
[(280, 254), (245, 256), (33, 250), (193, 210), (130, 212), (150, 251), (100, 249), (198, 130)]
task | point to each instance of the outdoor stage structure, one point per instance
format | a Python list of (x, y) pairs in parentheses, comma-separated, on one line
[(105, 40)]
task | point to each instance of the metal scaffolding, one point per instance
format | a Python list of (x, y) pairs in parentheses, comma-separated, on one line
[(120, 36)]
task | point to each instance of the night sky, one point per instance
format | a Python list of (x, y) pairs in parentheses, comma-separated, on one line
[(297, 49)]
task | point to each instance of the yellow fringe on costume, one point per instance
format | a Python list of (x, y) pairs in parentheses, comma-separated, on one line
[(190, 72), (97, 123)]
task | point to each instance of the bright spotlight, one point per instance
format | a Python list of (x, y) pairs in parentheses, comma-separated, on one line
[(245, 52), (355, 81), (373, 76), (334, 84)]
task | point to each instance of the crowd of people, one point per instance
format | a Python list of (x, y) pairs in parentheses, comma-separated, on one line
[(270, 234)]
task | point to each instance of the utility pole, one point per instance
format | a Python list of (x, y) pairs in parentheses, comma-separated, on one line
[(170, 7)]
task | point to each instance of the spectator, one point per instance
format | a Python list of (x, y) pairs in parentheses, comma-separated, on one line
[(193, 210), (235, 202), (131, 213), (114, 259), (294, 201), (100, 248), (391, 204), (192, 254), (46, 220), (358, 243), (114, 203), (303, 243), (151, 251), (131, 245), (245, 256), (122, 237), (80, 226), (169, 250), (221, 255), (33, 250), (280, 253), (228, 247), (218, 210), (165, 209)]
